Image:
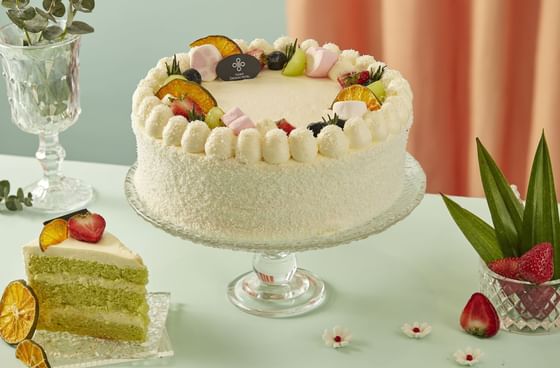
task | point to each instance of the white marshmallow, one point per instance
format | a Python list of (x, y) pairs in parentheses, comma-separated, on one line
[(308, 43), (174, 130), (195, 137), (146, 107), (349, 109), (341, 67), (357, 132), (303, 145), (276, 149), (263, 126), (220, 143), (156, 121), (261, 44), (332, 142), (204, 59), (249, 146)]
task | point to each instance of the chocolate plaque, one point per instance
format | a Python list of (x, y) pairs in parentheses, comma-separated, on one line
[(237, 67)]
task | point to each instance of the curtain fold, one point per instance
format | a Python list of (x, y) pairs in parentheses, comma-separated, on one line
[(477, 68)]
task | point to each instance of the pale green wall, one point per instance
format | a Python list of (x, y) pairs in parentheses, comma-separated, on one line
[(130, 36)]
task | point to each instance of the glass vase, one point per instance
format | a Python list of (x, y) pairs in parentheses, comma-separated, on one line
[(43, 93), (523, 307)]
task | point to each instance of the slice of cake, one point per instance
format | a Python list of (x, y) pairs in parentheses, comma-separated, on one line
[(87, 282)]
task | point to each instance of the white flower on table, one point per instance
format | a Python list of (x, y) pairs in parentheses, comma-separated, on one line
[(337, 337), (416, 330), (468, 357)]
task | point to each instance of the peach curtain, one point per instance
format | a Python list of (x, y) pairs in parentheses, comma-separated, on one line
[(477, 68)]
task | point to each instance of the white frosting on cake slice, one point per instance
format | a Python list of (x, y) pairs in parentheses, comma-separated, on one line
[(109, 250)]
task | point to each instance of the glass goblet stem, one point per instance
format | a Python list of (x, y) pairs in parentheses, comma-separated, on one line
[(50, 155)]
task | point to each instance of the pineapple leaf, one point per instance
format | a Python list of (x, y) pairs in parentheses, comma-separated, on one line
[(505, 208), (481, 235), (540, 220)]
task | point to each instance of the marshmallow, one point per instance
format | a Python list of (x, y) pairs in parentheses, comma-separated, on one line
[(220, 143), (263, 126), (195, 136), (303, 145), (158, 118), (341, 67), (319, 62), (241, 123), (146, 107), (332, 142), (249, 146), (231, 115), (276, 149), (174, 130), (204, 59), (357, 132), (349, 109)]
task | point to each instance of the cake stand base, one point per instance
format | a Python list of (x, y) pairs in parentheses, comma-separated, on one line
[(276, 288)]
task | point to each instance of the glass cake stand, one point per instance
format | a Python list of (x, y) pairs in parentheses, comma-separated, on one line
[(276, 287)]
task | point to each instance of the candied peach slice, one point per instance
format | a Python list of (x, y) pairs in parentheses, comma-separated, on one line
[(53, 233), (358, 92), (181, 89), (19, 312), (226, 46), (32, 354)]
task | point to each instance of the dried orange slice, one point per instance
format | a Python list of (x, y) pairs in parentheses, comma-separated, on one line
[(181, 88), (53, 233), (19, 312), (358, 92), (225, 45), (32, 354)]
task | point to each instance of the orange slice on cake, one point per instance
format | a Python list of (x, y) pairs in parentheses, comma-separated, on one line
[(358, 92), (19, 313), (32, 354), (226, 46), (53, 233), (180, 88)]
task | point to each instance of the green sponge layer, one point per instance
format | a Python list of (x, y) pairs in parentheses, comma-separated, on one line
[(59, 265)]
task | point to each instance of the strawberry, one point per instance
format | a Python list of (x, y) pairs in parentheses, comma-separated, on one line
[(87, 227), (479, 317), (363, 77), (186, 107), (506, 267), (285, 126), (259, 55), (536, 265)]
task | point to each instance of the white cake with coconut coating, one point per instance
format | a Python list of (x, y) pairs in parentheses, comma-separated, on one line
[(271, 169)]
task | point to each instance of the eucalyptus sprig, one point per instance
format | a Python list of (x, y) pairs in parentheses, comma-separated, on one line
[(174, 69), (14, 202), (291, 49), (45, 24)]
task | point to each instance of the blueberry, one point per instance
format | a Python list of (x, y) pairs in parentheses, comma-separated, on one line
[(316, 127), (193, 75), (276, 60)]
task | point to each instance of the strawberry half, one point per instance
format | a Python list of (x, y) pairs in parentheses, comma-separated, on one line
[(185, 107), (506, 267), (87, 227), (285, 126), (536, 265), (479, 317)]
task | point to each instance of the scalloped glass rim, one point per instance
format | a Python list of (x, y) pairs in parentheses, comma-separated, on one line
[(65, 350), (413, 191)]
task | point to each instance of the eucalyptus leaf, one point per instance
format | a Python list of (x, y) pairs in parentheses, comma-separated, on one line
[(85, 6), (20, 195), (4, 188), (78, 27), (36, 25), (26, 14), (28, 202), (59, 9), (13, 204), (15, 20), (44, 14), (52, 32), (22, 3), (10, 4), (505, 208), (541, 221), (481, 235), (47, 4)]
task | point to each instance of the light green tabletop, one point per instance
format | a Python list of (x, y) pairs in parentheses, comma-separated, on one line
[(421, 269)]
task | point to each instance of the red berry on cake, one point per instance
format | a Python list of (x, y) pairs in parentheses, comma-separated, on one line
[(187, 108), (259, 55), (479, 317), (285, 126), (537, 264), (87, 228), (363, 77)]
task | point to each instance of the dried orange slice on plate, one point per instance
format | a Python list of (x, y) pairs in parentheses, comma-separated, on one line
[(181, 88), (358, 92), (19, 312), (225, 45), (53, 233), (32, 354)]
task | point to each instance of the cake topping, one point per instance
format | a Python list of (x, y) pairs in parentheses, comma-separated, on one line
[(276, 149), (195, 137), (341, 67), (303, 145), (249, 146), (157, 120), (261, 44), (88, 227), (220, 143), (237, 120), (319, 61), (296, 61), (332, 142), (174, 68), (54, 232), (285, 126), (359, 93), (357, 132), (174, 130), (240, 66), (259, 55), (182, 89), (214, 117), (349, 109), (187, 108), (306, 44), (204, 59), (192, 75), (19, 312), (32, 354), (225, 46), (276, 60)]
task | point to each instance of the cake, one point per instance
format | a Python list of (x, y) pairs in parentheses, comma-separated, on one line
[(87, 285), (263, 157)]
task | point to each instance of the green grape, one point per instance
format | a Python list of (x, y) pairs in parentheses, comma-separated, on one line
[(296, 65), (378, 89), (213, 118)]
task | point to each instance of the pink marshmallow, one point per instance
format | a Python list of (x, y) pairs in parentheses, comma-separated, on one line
[(242, 122), (319, 61), (231, 115), (204, 59)]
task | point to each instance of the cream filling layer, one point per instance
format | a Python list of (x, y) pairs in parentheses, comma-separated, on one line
[(91, 313), (60, 279)]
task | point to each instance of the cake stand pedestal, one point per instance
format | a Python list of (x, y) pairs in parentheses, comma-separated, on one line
[(276, 287)]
